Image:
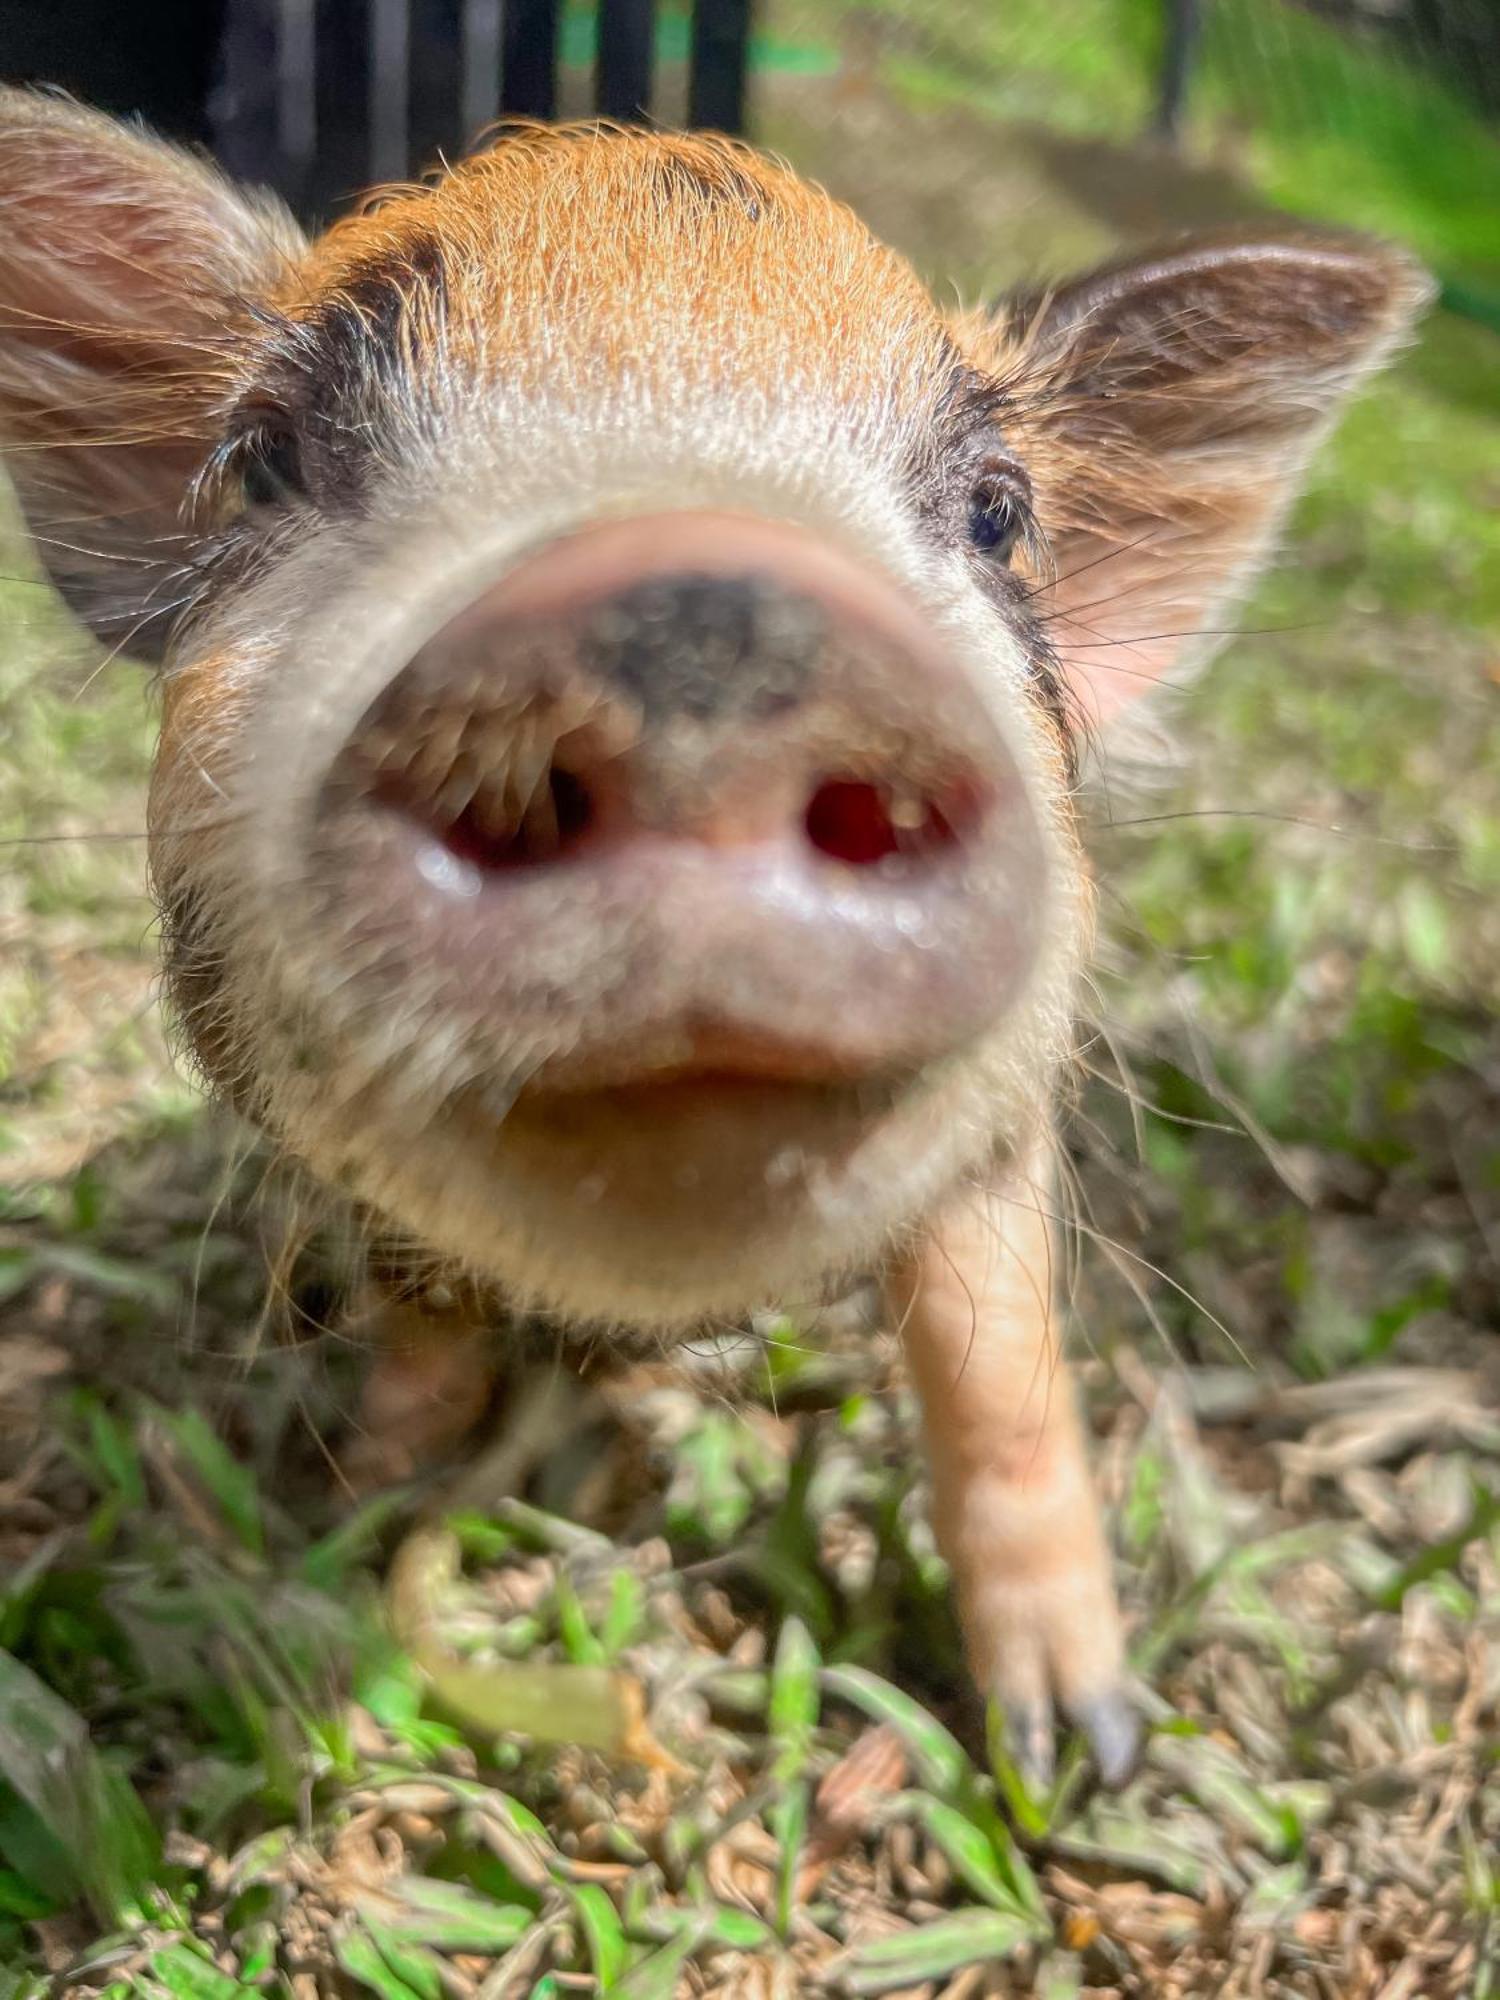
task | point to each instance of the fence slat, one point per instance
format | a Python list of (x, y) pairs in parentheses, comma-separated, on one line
[(436, 104), (528, 81), (622, 79), (1181, 27), (390, 77), (716, 85), (342, 96), (321, 97)]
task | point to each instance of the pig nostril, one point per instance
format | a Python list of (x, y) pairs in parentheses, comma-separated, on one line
[(850, 822), (553, 820), (861, 824), (495, 834), (572, 805)]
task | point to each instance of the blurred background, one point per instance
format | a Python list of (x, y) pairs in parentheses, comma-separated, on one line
[(1288, 1129)]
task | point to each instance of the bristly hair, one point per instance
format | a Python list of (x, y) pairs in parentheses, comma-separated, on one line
[(973, 404), (968, 435)]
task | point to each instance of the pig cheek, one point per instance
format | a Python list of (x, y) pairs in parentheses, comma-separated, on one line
[(191, 827)]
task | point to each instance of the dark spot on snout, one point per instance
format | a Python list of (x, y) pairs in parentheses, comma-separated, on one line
[(706, 647)]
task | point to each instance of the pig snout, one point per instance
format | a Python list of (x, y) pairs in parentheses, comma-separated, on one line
[(693, 793)]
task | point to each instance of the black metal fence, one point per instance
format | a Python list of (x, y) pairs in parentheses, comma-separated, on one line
[(319, 98)]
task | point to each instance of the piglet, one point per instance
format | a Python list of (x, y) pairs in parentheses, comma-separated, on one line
[(625, 661)]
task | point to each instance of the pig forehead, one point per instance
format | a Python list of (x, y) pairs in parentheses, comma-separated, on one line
[(625, 250)]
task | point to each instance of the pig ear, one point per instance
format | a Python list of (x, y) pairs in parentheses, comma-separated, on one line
[(1166, 409), (125, 267)]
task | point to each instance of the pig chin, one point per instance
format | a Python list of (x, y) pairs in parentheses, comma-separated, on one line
[(667, 1204)]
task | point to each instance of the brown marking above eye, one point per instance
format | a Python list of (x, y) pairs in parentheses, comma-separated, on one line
[(723, 182), (359, 320), (971, 406), (323, 370)]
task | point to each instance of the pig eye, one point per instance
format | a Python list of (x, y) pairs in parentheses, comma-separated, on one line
[(999, 514), (270, 468)]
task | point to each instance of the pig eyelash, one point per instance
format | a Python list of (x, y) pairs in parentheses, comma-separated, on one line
[(267, 467), (1000, 516), (271, 468), (257, 470)]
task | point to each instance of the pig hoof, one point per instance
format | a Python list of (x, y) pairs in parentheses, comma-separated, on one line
[(1111, 1725), (1108, 1722), (1031, 1741)]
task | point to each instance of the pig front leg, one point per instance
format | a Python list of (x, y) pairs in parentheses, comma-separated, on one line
[(431, 1378), (1014, 1507)]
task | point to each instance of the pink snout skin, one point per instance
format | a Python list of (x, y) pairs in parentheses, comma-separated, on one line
[(727, 756)]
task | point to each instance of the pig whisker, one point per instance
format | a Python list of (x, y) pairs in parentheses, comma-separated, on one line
[(1144, 1103), (1213, 1083), (1287, 819), (190, 750), (1148, 586), (173, 829), (1191, 632), (968, 1293), (1245, 1124), (96, 555), (121, 647), (1138, 1290), (1074, 1199), (62, 839), (1143, 674), (1114, 1247), (1101, 1023), (1080, 569), (174, 539), (1044, 1292), (1126, 915), (236, 1157), (1048, 1352), (325, 1451)]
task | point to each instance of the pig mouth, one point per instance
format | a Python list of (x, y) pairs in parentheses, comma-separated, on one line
[(693, 1162), (733, 1103), (686, 1060)]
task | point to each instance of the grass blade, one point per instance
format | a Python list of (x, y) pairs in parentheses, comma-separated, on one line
[(604, 1938), (391, 1968), (938, 1756), (450, 1917), (971, 1854), (89, 1810), (933, 1951)]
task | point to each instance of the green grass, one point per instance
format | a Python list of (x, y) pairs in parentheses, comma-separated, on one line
[(223, 1774), (1317, 120)]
